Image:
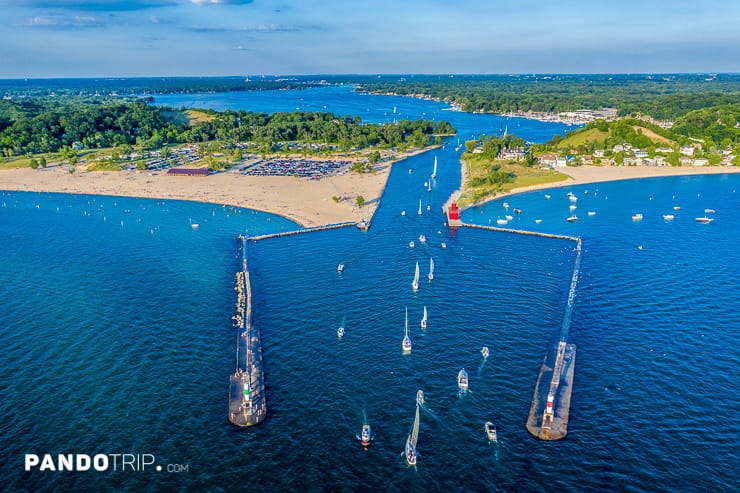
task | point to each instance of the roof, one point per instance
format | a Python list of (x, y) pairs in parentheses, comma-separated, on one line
[(189, 171)]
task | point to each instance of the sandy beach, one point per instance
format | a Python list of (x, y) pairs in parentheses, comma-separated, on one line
[(581, 175), (308, 202)]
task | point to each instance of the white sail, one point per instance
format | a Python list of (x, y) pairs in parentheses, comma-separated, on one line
[(431, 269), (414, 437), (406, 343), (419, 207), (424, 319), (434, 172), (415, 283)]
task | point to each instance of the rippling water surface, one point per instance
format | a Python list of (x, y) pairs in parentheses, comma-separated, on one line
[(116, 338)]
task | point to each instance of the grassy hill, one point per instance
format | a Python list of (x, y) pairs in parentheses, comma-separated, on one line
[(603, 135)]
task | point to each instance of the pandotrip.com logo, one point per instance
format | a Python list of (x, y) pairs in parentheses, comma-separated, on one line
[(99, 463)]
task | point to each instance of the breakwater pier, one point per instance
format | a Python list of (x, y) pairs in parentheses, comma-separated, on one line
[(247, 400), (550, 409)]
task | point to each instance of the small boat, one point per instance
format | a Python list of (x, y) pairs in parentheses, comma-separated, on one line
[(491, 432), (434, 171), (411, 244), (637, 217), (419, 213), (403, 213), (573, 207), (340, 332), (366, 435), (485, 352), (573, 218), (591, 213), (340, 268), (573, 198), (676, 208), (462, 379), (420, 397), (429, 207), (444, 245), (426, 184), (704, 220), (424, 318), (502, 222), (668, 217), (509, 218), (415, 282), (194, 225), (430, 276), (547, 197), (709, 211), (406, 343), (537, 221), (517, 210), (410, 452), (422, 239), (506, 205)]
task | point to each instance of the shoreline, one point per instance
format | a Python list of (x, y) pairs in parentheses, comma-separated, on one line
[(305, 201), (584, 175)]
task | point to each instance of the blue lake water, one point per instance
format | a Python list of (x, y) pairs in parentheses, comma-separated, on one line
[(117, 338)]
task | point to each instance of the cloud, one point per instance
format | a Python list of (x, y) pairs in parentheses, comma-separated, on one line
[(94, 5), (261, 28), (62, 22), (221, 2)]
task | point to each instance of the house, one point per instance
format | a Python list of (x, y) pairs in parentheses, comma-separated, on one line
[(561, 162), (687, 150), (618, 148), (663, 150), (700, 162), (548, 160), (686, 161), (599, 153), (640, 153)]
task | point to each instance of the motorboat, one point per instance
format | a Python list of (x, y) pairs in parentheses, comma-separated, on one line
[(508, 217), (411, 244), (403, 213), (517, 210), (709, 211), (429, 208), (422, 239), (491, 432), (637, 217), (704, 220), (668, 217), (591, 213), (573, 218), (462, 379), (484, 351), (340, 268), (547, 197), (444, 245), (340, 332), (506, 205), (419, 397), (537, 221), (502, 222), (366, 435), (676, 208)]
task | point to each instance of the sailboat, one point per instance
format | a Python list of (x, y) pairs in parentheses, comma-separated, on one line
[(406, 343), (431, 269), (424, 319), (411, 441), (415, 283), (419, 207), (434, 172), (419, 397)]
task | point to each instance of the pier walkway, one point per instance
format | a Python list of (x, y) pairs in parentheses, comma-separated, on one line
[(550, 409), (247, 400)]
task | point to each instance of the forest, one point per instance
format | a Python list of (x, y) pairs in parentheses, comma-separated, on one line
[(32, 126)]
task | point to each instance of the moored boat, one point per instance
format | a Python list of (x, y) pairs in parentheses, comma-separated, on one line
[(591, 213), (637, 217), (491, 432), (709, 211), (668, 217), (422, 239), (502, 222), (340, 268), (462, 379), (411, 244), (573, 218), (704, 220), (419, 211)]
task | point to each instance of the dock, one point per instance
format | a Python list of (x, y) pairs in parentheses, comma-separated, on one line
[(305, 230), (247, 399)]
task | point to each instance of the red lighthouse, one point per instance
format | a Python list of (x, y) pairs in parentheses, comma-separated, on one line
[(453, 215)]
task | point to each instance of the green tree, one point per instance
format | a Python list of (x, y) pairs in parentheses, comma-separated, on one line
[(360, 201), (33, 163)]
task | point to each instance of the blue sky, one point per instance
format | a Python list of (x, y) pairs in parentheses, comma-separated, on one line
[(87, 38)]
